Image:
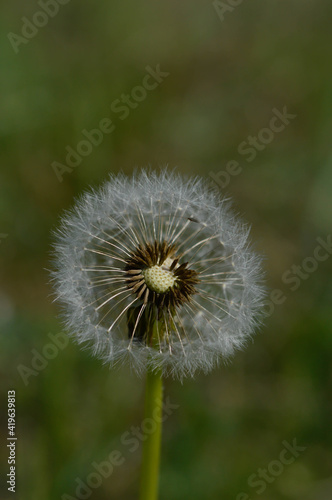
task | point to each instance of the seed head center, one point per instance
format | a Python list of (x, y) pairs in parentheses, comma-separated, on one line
[(158, 278)]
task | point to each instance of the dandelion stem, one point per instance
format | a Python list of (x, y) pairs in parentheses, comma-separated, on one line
[(152, 442)]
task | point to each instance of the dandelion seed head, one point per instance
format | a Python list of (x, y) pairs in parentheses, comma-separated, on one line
[(157, 271)]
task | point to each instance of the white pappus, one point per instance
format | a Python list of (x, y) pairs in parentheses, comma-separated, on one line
[(155, 269)]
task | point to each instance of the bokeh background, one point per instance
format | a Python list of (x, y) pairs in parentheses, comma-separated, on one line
[(225, 78)]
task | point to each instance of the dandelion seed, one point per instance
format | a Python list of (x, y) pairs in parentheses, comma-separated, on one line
[(156, 269)]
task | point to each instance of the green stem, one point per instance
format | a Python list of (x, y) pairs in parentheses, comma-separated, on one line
[(152, 442)]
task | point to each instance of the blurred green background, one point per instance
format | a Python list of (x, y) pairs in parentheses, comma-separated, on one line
[(225, 78)]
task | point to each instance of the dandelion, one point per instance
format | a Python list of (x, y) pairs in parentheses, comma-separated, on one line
[(156, 270)]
